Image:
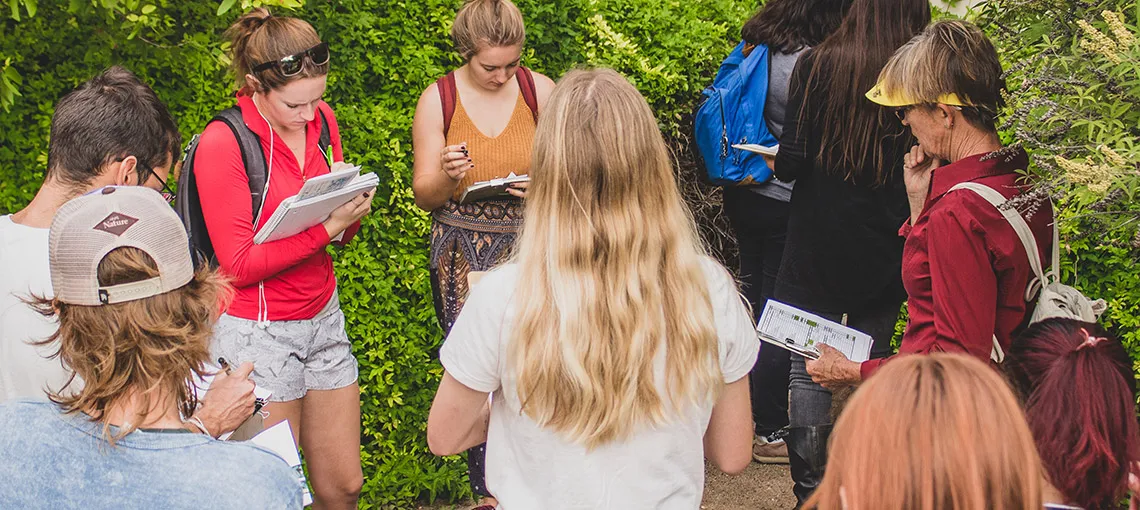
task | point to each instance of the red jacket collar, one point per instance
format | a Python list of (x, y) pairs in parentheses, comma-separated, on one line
[(974, 168), (260, 126)]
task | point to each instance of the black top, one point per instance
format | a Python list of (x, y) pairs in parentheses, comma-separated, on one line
[(843, 251)]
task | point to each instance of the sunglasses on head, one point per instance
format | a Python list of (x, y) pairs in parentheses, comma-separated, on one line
[(291, 65)]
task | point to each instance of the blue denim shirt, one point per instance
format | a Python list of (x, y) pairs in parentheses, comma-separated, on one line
[(53, 460)]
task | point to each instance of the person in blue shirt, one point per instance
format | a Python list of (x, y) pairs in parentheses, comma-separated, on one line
[(135, 320)]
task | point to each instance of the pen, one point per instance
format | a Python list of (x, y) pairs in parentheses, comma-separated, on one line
[(225, 365)]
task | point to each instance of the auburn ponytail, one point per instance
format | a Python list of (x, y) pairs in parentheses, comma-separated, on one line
[(258, 37), (1080, 395)]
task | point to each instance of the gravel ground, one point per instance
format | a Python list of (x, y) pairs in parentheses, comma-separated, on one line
[(760, 487)]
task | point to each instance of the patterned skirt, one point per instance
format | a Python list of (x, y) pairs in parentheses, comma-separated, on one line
[(466, 238)]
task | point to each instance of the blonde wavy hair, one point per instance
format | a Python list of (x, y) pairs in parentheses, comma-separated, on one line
[(147, 348), (935, 432), (610, 271)]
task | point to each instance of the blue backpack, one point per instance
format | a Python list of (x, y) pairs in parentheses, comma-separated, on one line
[(733, 113)]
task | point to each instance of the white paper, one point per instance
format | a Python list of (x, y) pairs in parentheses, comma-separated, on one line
[(759, 149), (279, 439), (796, 330), (202, 384), (327, 183), (294, 216)]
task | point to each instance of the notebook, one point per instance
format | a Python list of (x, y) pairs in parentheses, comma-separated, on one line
[(279, 439), (314, 203), (494, 188)]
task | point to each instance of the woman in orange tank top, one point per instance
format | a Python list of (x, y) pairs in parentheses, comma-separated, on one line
[(473, 125)]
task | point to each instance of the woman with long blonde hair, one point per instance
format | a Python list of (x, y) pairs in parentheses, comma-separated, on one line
[(614, 347), (934, 432)]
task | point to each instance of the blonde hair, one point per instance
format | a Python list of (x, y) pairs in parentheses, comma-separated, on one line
[(487, 23), (936, 432), (949, 57), (147, 348), (258, 37), (610, 271)]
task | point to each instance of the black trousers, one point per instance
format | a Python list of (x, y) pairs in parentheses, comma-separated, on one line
[(761, 227)]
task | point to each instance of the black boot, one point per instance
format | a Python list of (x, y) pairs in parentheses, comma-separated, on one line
[(807, 455)]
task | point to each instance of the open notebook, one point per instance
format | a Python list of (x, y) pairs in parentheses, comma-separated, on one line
[(798, 331), (314, 203)]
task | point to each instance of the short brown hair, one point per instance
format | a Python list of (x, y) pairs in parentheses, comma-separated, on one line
[(147, 348), (106, 119), (259, 37), (487, 23), (932, 432), (949, 57)]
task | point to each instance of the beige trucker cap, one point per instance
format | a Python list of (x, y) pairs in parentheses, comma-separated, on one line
[(87, 228)]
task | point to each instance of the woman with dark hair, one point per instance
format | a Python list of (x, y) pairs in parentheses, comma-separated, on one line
[(759, 213), (1080, 401), (843, 254)]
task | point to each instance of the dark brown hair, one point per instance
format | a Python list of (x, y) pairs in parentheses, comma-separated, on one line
[(844, 67), (109, 117), (259, 37), (147, 348), (787, 26), (490, 23)]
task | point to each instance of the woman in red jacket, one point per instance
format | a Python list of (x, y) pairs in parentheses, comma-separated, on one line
[(285, 317)]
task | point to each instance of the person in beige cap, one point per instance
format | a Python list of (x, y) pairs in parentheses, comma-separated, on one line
[(112, 130), (135, 321)]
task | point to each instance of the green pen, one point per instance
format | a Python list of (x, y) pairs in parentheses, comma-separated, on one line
[(329, 156)]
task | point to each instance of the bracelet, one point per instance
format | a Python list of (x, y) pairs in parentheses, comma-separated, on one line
[(197, 422)]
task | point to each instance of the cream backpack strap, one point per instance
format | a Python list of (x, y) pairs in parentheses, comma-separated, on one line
[(1028, 241)]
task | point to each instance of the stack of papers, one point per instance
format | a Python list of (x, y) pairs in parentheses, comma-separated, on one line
[(798, 331), (758, 149), (315, 202)]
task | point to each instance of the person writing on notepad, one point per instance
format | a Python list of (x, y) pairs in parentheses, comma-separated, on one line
[(473, 125), (134, 323), (285, 316)]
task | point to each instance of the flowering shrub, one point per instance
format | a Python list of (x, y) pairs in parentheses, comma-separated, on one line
[(1074, 104)]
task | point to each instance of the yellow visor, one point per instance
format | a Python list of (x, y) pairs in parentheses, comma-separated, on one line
[(879, 95)]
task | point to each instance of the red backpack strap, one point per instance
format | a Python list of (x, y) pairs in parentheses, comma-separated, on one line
[(526, 86), (447, 94)]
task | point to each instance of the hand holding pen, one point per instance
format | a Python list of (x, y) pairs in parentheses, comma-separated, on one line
[(229, 401)]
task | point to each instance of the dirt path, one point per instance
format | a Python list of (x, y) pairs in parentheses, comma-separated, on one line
[(760, 487)]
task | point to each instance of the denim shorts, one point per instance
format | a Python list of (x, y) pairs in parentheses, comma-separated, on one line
[(290, 357)]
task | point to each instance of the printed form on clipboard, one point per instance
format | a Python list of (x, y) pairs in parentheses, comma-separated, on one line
[(314, 203), (798, 331)]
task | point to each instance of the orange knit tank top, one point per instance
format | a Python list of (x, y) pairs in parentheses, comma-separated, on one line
[(498, 156)]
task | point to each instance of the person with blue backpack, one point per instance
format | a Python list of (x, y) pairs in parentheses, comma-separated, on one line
[(843, 256), (751, 89)]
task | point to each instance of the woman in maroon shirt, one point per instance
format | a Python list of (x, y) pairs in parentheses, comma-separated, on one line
[(285, 317), (964, 267)]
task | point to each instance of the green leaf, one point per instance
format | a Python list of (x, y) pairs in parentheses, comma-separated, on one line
[(30, 5), (147, 9), (225, 6)]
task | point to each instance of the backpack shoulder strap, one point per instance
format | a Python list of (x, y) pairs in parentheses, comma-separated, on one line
[(1028, 241), (529, 93), (251, 155), (447, 93), (325, 139)]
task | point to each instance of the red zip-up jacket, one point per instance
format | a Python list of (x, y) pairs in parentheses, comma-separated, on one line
[(296, 271)]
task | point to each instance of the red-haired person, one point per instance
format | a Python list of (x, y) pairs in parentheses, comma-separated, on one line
[(1080, 401)]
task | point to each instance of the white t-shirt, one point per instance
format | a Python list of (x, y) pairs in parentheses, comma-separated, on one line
[(25, 370), (529, 467)]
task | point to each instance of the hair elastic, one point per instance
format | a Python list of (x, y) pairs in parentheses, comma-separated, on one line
[(1090, 341)]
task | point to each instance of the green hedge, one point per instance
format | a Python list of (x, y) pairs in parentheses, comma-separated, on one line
[(384, 54)]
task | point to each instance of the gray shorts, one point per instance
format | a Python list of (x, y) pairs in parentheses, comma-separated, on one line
[(290, 357)]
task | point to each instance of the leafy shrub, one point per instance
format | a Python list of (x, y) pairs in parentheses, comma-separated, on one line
[(385, 52), (1074, 76)]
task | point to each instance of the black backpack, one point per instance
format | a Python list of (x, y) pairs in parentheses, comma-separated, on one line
[(188, 206)]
